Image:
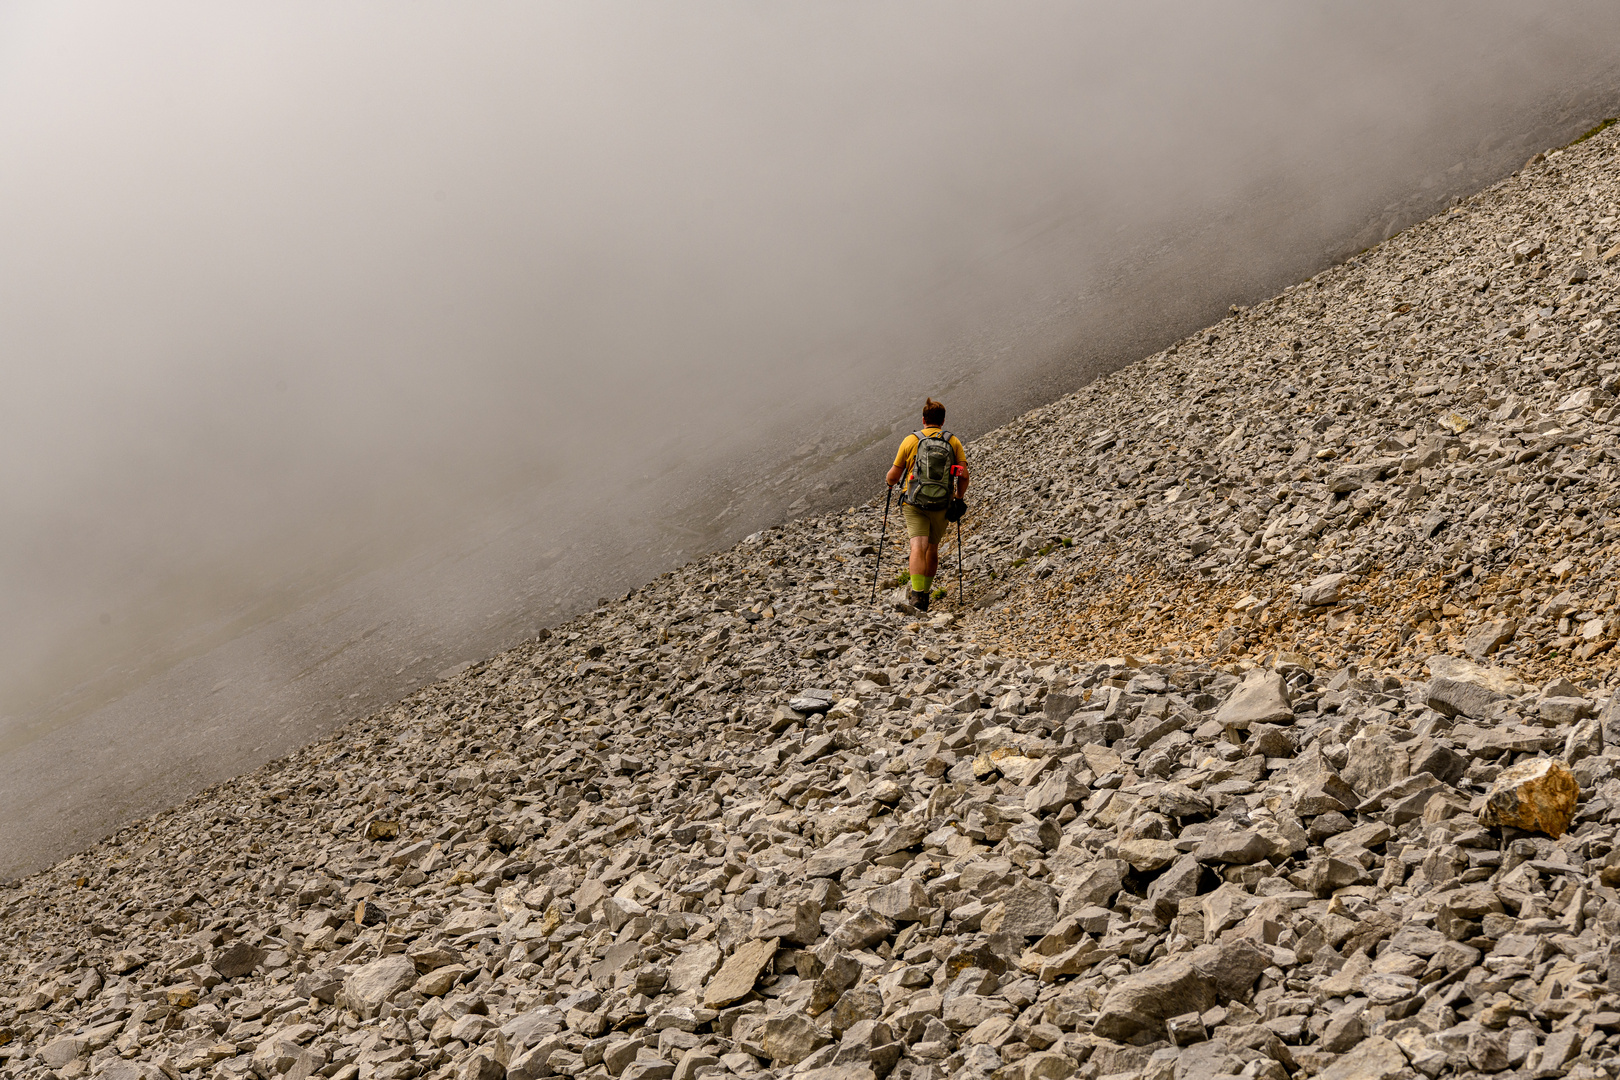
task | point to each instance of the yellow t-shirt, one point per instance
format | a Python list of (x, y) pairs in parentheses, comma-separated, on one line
[(908, 451)]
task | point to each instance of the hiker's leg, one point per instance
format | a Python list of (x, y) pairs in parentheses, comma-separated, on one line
[(925, 529), (919, 528), (919, 555), (936, 533), (921, 583)]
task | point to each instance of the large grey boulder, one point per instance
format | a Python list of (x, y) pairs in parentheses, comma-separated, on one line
[(1030, 909), (904, 900), (1142, 1002), (63, 1049), (1262, 698), (1452, 697), (1228, 843), (1055, 791), (1609, 721), (791, 1037), (1323, 591), (237, 959), (369, 986), (1371, 1059)]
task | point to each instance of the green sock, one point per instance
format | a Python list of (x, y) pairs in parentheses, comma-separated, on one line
[(920, 583)]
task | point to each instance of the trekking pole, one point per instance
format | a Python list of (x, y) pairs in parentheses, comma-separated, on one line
[(877, 567), (959, 561)]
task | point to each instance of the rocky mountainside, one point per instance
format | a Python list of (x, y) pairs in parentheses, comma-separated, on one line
[(1434, 419), (1274, 739)]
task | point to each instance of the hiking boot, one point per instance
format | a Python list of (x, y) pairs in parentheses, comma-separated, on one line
[(919, 600)]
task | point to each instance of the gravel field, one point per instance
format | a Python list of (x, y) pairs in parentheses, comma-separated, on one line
[(1275, 737)]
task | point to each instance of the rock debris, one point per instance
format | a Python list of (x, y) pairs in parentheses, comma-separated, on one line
[(1275, 740), (1416, 451)]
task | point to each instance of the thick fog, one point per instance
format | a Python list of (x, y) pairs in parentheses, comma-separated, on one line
[(342, 343)]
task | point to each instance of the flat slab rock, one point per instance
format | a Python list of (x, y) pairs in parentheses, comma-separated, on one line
[(737, 975), (1261, 699), (1371, 1059)]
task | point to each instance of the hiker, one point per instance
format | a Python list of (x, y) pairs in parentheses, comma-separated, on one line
[(936, 476)]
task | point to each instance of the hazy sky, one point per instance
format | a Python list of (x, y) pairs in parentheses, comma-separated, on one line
[(284, 284)]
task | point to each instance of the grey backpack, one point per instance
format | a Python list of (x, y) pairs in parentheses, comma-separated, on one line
[(932, 484)]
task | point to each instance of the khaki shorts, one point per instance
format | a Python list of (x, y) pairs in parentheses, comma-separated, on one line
[(929, 523)]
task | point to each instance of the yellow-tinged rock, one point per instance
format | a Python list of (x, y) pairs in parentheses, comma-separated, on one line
[(439, 981), (1456, 423), (183, 996), (1007, 761), (1538, 795), (1148, 856), (1498, 679)]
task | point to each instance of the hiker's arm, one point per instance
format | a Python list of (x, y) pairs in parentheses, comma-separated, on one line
[(902, 458), (962, 482)]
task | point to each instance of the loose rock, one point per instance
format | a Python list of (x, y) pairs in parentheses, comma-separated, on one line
[(1539, 795), (1240, 761)]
